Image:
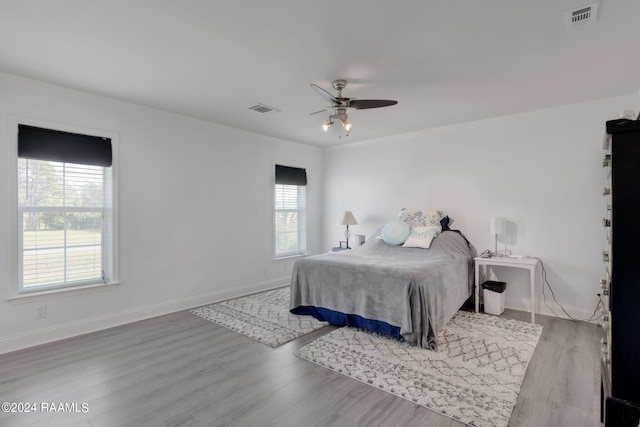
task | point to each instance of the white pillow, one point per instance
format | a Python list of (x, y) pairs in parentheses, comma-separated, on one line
[(419, 218), (421, 237)]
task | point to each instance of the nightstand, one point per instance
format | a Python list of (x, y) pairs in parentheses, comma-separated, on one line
[(530, 264), (338, 249)]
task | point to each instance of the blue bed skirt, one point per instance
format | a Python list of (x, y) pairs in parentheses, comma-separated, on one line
[(340, 319)]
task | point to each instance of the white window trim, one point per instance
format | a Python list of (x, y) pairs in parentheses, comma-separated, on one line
[(275, 257), (12, 169)]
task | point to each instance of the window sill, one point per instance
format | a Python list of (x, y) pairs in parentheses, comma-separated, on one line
[(60, 292), (289, 257)]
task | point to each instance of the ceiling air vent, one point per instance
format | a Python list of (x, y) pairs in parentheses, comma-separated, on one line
[(261, 108), (581, 16)]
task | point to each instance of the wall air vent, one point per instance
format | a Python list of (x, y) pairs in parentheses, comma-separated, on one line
[(581, 16), (261, 108)]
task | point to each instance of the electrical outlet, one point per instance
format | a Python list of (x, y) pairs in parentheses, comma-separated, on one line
[(41, 312)]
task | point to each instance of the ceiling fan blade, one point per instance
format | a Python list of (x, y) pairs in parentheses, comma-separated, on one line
[(323, 93), (363, 104)]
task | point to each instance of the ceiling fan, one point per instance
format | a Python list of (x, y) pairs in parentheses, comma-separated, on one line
[(340, 104)]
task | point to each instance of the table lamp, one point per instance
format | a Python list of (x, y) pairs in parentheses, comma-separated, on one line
[(497, 225), (348, 219)]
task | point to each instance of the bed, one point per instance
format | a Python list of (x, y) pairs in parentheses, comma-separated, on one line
[(409, 293)]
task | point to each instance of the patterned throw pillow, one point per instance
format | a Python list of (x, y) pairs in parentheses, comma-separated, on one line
[(419, 218), (395, 232), (421, 237)]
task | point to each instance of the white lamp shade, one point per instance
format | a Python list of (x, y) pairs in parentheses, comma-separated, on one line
[(497, 225), (348, 219)]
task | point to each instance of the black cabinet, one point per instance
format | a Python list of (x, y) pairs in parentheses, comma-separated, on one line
[(621, 284)]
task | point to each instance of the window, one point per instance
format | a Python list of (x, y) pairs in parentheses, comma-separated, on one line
[(65, 210), (290, 211)]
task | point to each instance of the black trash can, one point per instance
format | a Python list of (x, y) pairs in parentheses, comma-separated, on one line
[(493, 296)]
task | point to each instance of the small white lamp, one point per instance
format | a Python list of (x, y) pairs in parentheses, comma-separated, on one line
[(348, 219), (497, 225)]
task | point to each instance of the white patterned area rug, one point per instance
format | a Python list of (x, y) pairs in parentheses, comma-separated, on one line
[(473, 377), (263, 316)]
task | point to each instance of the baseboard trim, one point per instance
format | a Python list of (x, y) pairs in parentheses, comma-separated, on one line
[(553, 309), (94, 324)]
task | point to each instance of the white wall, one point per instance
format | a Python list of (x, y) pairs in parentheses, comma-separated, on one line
[(189, 234), (195, 212), (541, 170)]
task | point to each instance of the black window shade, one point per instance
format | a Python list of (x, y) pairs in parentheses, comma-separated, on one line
[(59, 146), (291, 176)]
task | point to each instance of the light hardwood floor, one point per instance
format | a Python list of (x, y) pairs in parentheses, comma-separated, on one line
[(181, 370)]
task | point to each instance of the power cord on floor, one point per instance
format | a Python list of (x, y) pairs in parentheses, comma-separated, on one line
[(553, 295)]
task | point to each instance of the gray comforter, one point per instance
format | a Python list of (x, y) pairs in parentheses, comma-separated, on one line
[(417, 290)]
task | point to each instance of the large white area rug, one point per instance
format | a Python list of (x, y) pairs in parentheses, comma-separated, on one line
[(263, 316), (474, 376)]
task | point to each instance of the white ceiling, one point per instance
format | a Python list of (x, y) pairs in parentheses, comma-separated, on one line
[(445, 62)]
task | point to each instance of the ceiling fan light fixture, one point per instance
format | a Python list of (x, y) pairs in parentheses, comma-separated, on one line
[(340, 104)]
